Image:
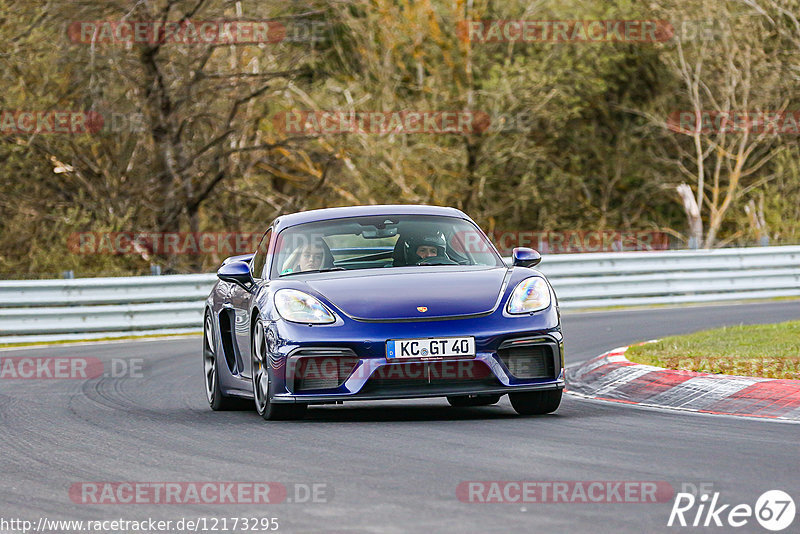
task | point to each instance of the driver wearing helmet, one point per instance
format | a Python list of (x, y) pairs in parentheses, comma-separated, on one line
[(426, 246)]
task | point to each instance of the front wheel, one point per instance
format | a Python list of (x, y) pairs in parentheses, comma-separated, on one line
[(262, 382), (536, 402), (468, 401)]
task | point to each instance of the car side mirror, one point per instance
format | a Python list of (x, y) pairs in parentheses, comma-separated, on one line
[(525, 257), (243, 257), (237, 272)]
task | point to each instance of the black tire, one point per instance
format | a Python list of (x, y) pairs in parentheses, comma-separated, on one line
[(536, 402), (467, 401), (216, 400), (262, 382)]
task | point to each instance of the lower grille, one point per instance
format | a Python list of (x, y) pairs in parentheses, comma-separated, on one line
[(529, 361), (431, 375)]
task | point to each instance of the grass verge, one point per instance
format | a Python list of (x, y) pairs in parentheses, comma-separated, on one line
[(768, 351)]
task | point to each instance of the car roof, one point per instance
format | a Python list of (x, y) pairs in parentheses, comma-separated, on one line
[(284, 221)]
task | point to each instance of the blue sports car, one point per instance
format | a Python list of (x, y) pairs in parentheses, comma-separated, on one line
[(381, 302)]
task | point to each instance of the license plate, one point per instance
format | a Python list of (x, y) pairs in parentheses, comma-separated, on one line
[(446, 347)]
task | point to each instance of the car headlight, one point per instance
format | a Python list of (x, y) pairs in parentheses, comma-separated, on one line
[(300, 307), (530, 295)]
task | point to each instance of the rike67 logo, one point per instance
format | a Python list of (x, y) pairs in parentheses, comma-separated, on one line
[(774, 510)]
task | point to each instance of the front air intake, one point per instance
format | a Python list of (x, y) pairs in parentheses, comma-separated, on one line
[(315, 369), (528, 361)]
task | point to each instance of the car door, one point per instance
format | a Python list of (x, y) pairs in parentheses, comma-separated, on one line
[(241, 299)]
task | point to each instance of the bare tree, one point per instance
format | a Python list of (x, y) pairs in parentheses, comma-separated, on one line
[(732, 82)]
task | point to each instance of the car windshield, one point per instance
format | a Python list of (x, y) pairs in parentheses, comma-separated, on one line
[(379, 242)]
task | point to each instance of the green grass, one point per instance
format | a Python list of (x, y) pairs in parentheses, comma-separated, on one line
[(768, 351)]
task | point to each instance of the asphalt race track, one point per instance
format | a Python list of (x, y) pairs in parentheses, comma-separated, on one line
[(386, 466)]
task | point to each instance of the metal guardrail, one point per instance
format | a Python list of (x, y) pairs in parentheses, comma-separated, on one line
[(90, 308), (84, 308), (673, 277)]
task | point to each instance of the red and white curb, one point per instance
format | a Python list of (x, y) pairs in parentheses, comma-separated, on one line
[(612, 377)]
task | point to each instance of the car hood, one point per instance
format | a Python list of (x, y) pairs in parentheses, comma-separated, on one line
[(400, 295)]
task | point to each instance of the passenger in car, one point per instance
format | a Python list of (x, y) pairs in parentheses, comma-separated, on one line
[(310, 257)]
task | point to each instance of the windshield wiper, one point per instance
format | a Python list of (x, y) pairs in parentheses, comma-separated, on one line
[(326, 270)]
